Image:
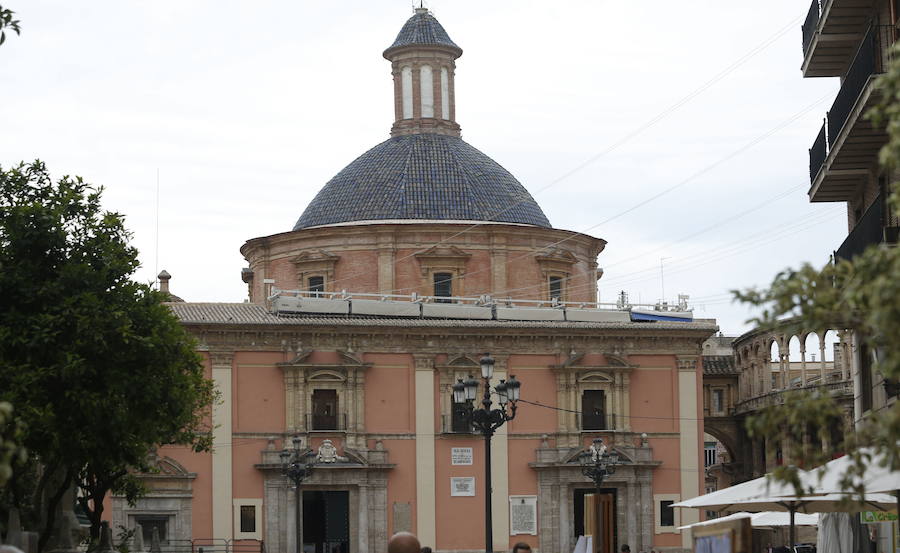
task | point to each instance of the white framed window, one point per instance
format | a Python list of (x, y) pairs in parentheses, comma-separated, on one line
[(248, 519), (666, 518)]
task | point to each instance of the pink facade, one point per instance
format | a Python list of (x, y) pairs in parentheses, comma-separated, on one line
[(426, 221)]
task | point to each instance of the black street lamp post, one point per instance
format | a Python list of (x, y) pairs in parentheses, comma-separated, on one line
[(297, 465), (597, 463), (487, 421)]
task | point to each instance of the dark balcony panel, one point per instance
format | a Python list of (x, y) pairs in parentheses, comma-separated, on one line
[(868, 230), (597, 421), (861, 69), (817, 154), (809, 26)]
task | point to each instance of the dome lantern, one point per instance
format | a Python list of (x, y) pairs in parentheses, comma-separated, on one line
[(423, 63)]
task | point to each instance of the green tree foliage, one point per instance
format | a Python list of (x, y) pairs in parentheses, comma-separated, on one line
[(862, 295), (98, 369), (7, 22)]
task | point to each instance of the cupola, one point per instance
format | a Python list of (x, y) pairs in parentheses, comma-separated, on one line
[(423, 60)]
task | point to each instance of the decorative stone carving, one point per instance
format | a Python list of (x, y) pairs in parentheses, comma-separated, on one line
[(328, 454)]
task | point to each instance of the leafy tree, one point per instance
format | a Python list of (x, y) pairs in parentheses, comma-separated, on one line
[(862, 295), (98, 369), (7, 22)]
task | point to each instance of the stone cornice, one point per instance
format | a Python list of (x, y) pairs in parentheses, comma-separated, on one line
[(441, 340)]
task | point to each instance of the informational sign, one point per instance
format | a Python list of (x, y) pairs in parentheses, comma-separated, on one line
[(871, 517), (522, 514), (461, 456), (462, 486)]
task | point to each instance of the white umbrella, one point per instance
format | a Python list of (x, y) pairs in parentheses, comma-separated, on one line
[(878, 477), (763, 494), (780, 518), (734, 516), (762, 520)]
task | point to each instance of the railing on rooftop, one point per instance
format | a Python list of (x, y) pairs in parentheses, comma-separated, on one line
[(818, 153), (484, 300), (810, 24), (869, 230)]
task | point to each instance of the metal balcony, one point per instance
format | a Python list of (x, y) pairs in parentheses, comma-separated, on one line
[(869, 230), (831, 33), (852, 139), (589, 422), (818, 153), (326, 423)]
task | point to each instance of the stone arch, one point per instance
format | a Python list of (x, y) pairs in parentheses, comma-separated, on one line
[(794, 348), (729, 434), (326, 375)]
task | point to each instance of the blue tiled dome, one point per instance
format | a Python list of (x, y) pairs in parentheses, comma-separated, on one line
[(422, 28), (423, 176)]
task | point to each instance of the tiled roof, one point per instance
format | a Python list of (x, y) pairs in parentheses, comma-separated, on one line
[(718, 364), (422, 28), (423, 176), (255, 314)]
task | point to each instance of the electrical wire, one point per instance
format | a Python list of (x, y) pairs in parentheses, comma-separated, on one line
[(650, 123)]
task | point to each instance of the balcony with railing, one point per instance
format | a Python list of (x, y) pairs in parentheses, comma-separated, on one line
[(818, 153), (840, 388), (326, 423), (831, 33), (842, 159), (869, 230), (594, 422)]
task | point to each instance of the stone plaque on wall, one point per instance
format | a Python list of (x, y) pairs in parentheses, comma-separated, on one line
[(402, 517), (462, 486), (461, 455), (523, 514)]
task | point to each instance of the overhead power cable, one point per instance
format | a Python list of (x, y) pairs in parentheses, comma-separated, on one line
[(625, 139)]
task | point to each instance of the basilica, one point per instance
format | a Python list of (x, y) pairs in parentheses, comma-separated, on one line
[(412, 263)]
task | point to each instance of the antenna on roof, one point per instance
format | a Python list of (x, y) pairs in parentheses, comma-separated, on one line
[(156, 262)]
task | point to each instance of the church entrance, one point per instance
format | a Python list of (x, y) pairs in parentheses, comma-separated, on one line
[(592, 510), (326, 521)]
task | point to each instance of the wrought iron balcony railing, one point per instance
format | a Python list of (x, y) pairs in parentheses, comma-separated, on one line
[(869, 230), (862, 67), (598, 421), (871, 59), (324, 423), (812, 21), (818, 153)]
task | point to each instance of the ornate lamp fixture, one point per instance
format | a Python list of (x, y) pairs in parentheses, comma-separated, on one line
[(486, 421)]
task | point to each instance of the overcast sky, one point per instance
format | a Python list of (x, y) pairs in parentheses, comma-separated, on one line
[(246, 109)]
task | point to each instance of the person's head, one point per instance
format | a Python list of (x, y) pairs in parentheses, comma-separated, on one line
[(425, 549), (404, 542), (625, 548), (521, 547)]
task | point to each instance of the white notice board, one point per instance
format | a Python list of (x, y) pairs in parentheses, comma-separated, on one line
[(461, 456), (522, 514), (462, 486)]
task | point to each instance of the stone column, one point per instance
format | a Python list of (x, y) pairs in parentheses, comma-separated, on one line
[(385, 248), (222, 518), (822, 356), (803, 364), (498, 264), (416, 91), (425, 456)]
